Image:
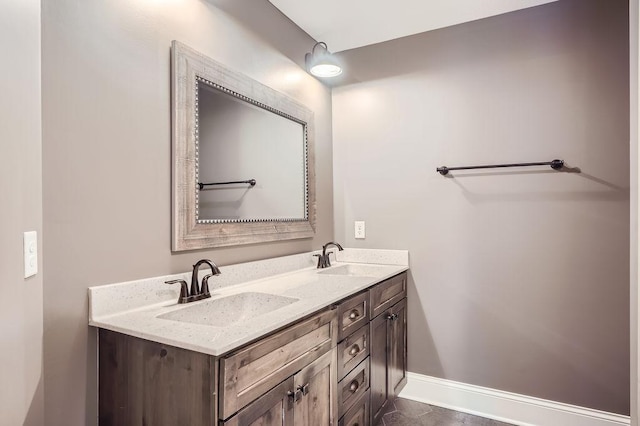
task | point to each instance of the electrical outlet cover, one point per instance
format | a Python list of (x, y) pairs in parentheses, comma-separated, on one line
[(30, 245)]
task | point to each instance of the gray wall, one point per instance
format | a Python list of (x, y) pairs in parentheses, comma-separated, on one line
[(106, 155), (520, 279), (21, 382)]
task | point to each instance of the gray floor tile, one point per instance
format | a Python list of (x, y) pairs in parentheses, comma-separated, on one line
[(411, 408), (404, 412)]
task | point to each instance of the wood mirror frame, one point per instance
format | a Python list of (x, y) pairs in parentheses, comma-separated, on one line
[(188, 232)]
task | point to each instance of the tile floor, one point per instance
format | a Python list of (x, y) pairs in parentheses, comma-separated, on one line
[(404, 412)]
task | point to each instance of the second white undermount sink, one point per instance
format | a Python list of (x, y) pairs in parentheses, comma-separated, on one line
[(229, 310), (354, 270)]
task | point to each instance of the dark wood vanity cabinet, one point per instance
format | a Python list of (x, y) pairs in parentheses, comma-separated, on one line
[(338, 366)]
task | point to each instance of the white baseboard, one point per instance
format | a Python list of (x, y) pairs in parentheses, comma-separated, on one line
[(504, 406)]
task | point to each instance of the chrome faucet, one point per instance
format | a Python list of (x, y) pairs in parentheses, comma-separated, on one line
[(323, 259), (196, 293)]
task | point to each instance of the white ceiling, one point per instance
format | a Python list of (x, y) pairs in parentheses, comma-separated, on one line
[(347, 24)]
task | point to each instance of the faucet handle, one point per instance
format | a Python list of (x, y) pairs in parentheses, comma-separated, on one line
[(184, 291), (204, 288), (328, 258)]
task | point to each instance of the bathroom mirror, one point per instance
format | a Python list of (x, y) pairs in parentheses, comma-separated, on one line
[(243, 161)]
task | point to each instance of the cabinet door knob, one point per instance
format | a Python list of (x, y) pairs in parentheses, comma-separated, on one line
[(353, 387), (354, 315), (392, 317), (294, 396), (303, 389), (355, 349)]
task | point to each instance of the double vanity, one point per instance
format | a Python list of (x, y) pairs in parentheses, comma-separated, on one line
[(279, 342), (292, 340)]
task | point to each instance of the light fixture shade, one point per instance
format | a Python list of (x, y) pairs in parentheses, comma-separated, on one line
[(321, 63)]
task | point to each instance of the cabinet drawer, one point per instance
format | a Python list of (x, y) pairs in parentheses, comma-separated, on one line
[(250, 372), (352, 387), (358, 415), (352, 350), (353, 313), (387, 293), (273, 408)]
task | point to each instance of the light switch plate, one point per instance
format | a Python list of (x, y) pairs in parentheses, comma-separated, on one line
[(359, 229), (30, 244)]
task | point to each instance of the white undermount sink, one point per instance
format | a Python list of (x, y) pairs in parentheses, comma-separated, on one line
[(355, 270), (229, 310)]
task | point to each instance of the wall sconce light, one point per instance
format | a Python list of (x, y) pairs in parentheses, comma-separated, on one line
[(321, 63)]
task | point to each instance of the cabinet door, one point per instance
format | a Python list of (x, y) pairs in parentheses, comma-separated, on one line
[(397, 354), (378, 362), (275, 408), (316, 402), (388, 352)]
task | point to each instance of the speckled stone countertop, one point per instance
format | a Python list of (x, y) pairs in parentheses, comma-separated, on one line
[(143, 308)]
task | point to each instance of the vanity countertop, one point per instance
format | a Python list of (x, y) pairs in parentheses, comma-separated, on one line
[(142, 308)]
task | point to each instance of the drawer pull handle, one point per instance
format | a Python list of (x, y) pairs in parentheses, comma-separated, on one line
[(354, 315), (353, 387), (355, 349)]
